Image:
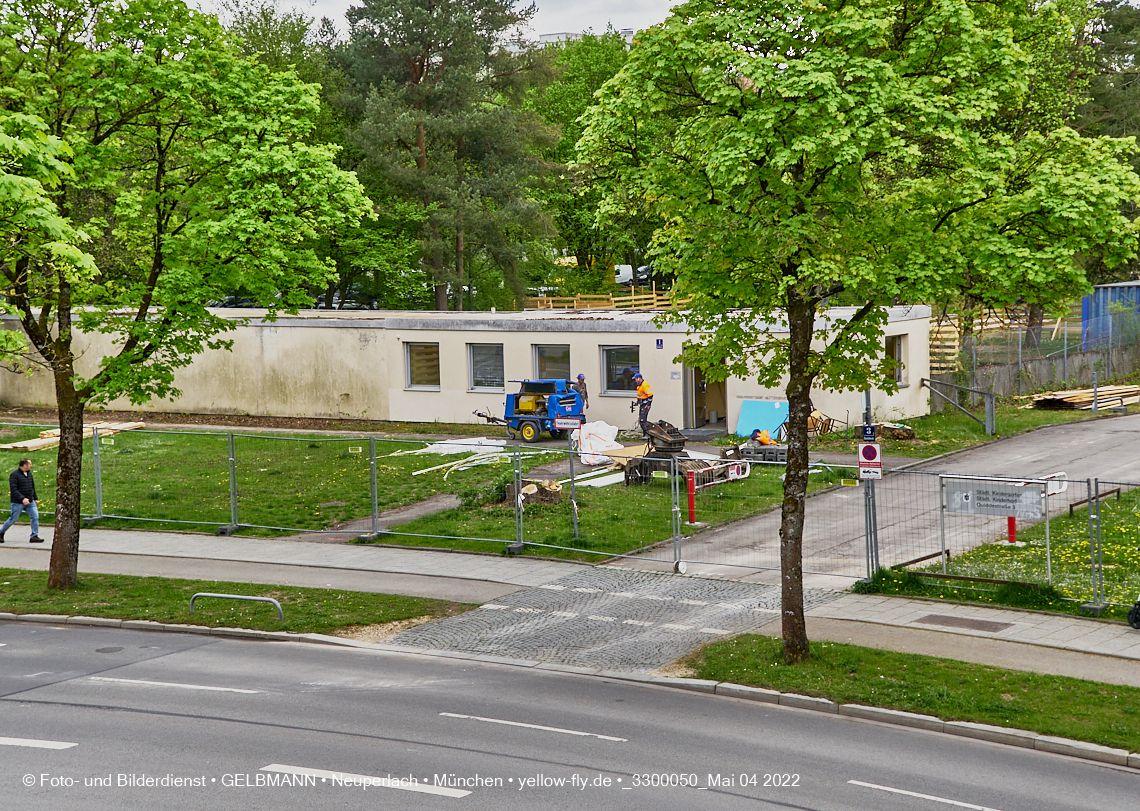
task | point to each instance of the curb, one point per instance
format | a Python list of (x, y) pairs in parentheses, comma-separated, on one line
[(1007, 736)]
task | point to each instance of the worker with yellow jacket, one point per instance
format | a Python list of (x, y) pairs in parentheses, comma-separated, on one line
[(644, 402)]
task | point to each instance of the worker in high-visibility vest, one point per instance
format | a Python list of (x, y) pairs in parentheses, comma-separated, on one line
[(644, 402)]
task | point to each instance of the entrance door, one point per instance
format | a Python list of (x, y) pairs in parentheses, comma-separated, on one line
[(698, 391)]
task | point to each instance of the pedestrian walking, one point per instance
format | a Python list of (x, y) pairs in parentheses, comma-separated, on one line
[(580, 387), (22, 493), (644, 402)]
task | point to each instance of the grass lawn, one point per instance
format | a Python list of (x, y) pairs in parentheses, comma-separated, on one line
[(954, 691), (949, 430), (611, 520), (167, 600), (1072, 571), (293, 481)]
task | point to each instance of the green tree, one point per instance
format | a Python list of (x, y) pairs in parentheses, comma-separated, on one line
[(846, 151), (191, 172), (440, 124)]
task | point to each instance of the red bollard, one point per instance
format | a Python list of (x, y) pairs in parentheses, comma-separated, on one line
[(691, 478), (1011, 526)]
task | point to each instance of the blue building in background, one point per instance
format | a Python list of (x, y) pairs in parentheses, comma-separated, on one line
[(1109, 315)]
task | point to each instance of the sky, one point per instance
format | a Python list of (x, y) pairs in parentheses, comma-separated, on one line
[(553, 16)]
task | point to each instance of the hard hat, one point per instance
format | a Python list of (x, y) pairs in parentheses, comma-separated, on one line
[(581, 377), (637, 375)]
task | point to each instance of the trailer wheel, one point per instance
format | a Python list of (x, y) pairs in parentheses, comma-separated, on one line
[(529, 431), (557, 434)]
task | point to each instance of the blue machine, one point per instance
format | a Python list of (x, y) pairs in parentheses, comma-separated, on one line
[(532, 410)]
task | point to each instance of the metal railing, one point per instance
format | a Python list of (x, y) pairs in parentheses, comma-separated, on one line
[(989, 422)]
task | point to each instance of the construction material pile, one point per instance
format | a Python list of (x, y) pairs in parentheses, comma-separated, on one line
[(50, 439), (1106, 397), (546, 491)]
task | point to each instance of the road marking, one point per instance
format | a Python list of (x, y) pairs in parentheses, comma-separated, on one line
[(674, 627), (922, 796), (41, 673), (553, 587), (601, 619), (494, 607), (173, 684), (653, 597), (692, 602), (642, 623), (528, 610), (563, 614), (534, 726), (585, 590), (366, 780), (34, 744)]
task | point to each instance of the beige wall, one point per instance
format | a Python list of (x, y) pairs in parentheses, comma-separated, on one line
[(352, 365)]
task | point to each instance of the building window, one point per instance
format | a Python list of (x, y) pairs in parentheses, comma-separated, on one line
[(619, 363), (552, 361), (485, 367), (896, 351), (422, 362)]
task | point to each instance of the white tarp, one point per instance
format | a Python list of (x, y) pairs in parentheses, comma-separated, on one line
[(594, 439), (477, 444)]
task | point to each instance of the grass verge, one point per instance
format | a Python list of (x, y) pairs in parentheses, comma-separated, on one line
[(167, 600), (1044, 598), (1105, 714)]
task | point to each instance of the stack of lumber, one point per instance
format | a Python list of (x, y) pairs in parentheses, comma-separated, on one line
[(1106, 396), (50, 439)]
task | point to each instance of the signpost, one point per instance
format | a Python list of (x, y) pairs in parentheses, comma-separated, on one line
[(570, 425)]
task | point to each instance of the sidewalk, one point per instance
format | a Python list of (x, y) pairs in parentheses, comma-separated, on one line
[(413, 572)]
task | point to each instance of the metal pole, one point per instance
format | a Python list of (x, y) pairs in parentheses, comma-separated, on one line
[(675, 494), (233, 483), (991, 418), (1019, 360), (1048, 551), (1110, 346), (374, 486), (942, 518), (974, 352), (518, 495), (573, 495), (1092, 542), (98, 472), (1094, 394), (1065, 362), (874, 527), (867, 525), (1099, 551)]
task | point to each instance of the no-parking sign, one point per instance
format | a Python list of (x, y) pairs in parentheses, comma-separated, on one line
[(870, 461)]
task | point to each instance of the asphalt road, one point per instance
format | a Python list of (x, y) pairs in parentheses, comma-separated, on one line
[(111, 708)]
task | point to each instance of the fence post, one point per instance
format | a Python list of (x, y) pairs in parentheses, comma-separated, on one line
[(1093, 488), (991, 417), (1094, 410), (1065, 362), (373, 485), (1019, 337), (942, 519), (233, 484), (98, 473), (518, 496), (675, 496), (1048, 551)]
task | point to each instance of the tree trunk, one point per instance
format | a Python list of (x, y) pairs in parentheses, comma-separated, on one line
[(64, 567), (1036, 321), (801, 323), (459, 266)]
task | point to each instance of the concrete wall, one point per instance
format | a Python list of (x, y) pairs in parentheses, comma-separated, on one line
[(343, 364)]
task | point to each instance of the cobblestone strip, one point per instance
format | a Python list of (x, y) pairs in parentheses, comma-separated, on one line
[(609, 619)]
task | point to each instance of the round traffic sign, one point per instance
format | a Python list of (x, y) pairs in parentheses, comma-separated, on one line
[(869, 453)]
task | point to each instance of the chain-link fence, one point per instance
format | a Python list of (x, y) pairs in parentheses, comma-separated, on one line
[(1081, 536)]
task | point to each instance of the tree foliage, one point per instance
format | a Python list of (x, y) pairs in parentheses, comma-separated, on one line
[(192, 172), (855, 150)]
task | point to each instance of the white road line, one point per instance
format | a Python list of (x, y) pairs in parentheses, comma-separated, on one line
[(922, 796), (173, 684), (563, 614), (653, 597), (366, 780), (672, 626), (553, 587), (600, 618), (34, 744), (642, 623), (534, 726), (528, 610), (692, 602), (494, 607), (585, 590), (41, 673)]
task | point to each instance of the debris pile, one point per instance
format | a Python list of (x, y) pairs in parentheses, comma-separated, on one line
[(546, 491), (50, 438)]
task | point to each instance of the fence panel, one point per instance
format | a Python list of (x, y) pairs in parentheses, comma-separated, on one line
[(160, 476), (43, 463), (1118, 554)]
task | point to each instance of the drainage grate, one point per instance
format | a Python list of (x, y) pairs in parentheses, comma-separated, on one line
[(964, 622)]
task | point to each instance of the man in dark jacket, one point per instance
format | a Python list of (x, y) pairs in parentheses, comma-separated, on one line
[(22, 492)]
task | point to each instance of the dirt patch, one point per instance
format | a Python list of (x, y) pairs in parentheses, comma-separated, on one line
[(383, 631), (676, 671)]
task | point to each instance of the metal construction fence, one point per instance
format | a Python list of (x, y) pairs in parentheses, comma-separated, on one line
[(1081, 536)]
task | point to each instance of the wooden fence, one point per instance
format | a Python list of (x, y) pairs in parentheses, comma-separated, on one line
[(633, 301)]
